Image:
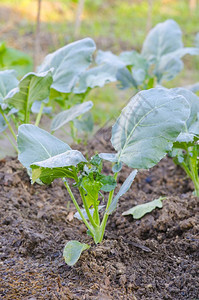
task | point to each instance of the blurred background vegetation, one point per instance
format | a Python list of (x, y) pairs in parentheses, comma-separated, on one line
[(115, 25)]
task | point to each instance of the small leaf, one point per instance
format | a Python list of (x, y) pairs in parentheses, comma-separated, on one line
[(117, 167), (73, 250), (95, 160), (124, 188), (70, 114), (112, 157), (108, 182), (139, 211)]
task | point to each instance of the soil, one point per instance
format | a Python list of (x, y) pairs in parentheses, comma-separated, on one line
[(156, 257)]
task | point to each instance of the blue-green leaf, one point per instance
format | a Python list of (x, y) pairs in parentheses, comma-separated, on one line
[(66, 159), (68, 63), (148, 126), (96, 77), (8, 81), (124, 188), (36, 144), (164, 48), (70, 114)]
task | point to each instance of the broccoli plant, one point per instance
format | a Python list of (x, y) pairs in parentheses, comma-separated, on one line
[(159, 60), (141, 136), (62, 79), (185, 150)]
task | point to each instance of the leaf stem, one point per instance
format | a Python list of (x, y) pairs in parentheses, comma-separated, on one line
[(39, 114), (105, 218), (8, 124), (77, 206), (86, 208)]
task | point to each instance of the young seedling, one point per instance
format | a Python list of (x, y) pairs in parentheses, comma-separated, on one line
[(185, 150), (141, 136)]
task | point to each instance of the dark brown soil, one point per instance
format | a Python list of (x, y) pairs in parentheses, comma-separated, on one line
[(156, 257)]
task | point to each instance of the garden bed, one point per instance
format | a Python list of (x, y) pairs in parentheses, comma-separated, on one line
[(152, 258)]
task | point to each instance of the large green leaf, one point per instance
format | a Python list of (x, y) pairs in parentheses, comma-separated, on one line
[(164, 38), (70, 114), (73, 250), (68, 63), (148, 126), (32, 87), (124, 188), (36, 144), (8, 81), (96, 77), (14, 59), (140, 210)]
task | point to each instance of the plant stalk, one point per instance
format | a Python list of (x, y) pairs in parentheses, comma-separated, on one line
[(105, 218), (77, 206), (87, 209), (8, 124), (191, 173), (39, 114)]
